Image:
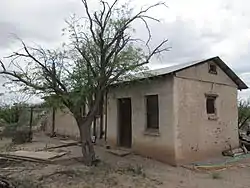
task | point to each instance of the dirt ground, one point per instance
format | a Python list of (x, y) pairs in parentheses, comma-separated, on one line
[(113, 171)]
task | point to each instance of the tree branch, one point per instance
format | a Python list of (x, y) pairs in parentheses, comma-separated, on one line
[(157, 50), (20, 79), (137, 16), (91, 26), (2, 65), (29, 55)]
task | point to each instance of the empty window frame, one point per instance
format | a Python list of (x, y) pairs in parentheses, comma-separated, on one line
[(210, 104), (212, 68), (152, 108)]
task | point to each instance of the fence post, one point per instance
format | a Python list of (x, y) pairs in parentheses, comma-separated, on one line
[(53, 134), (31, 121)]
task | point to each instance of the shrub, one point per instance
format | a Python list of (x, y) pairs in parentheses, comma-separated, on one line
[(22, 136), (9, 130)]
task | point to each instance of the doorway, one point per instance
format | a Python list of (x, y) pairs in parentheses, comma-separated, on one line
[(124, 123)]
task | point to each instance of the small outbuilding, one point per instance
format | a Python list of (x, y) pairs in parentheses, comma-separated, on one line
[(177, 114)]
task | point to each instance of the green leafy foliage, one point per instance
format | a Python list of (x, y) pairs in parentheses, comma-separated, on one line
[(15, 124), (10, 114)]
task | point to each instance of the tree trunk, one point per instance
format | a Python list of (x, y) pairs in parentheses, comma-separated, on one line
[(87, 145)]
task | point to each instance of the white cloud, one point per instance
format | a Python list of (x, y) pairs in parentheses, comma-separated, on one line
[(195, 28)]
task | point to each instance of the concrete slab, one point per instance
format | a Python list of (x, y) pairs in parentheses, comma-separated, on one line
[(42, 155), (36, 146), (68, 141), (119, 152)]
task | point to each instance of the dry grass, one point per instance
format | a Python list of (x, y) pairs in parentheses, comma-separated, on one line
[(26, 183), (134, 170), (103, 176)]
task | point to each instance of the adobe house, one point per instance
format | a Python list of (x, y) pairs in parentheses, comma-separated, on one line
[(177, 114)]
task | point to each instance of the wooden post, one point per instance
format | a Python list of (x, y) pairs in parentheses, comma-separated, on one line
[(53, 134), (101, 117), (106, 115), (17, 111), (31, 121)]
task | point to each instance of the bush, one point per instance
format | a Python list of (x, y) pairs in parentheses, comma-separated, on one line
[(9, 130), (22, 136), (19, 134)]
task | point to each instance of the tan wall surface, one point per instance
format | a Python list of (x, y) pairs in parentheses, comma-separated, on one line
[(197, 136), (200, 72), (159, 147), (65, 123)]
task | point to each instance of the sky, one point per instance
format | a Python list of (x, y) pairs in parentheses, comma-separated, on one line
[(196, 29)]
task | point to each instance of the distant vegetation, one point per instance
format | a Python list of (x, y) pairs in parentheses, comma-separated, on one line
[(243, 113), (10, 114), (16, 123)]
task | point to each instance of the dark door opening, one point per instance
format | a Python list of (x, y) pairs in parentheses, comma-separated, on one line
[(124, 122)]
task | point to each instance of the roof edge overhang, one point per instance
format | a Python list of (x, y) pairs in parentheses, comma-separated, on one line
[(229, 72)]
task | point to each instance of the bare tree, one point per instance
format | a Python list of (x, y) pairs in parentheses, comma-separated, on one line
[(102, 51)]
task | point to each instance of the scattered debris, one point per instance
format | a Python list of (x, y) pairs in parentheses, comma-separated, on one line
[(234, 152), (246, 144), (245, 138), (5, 183)]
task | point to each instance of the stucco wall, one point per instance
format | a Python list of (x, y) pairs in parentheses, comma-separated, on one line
[(201, 73), (65, 124), (159, 147), (197, 137)]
